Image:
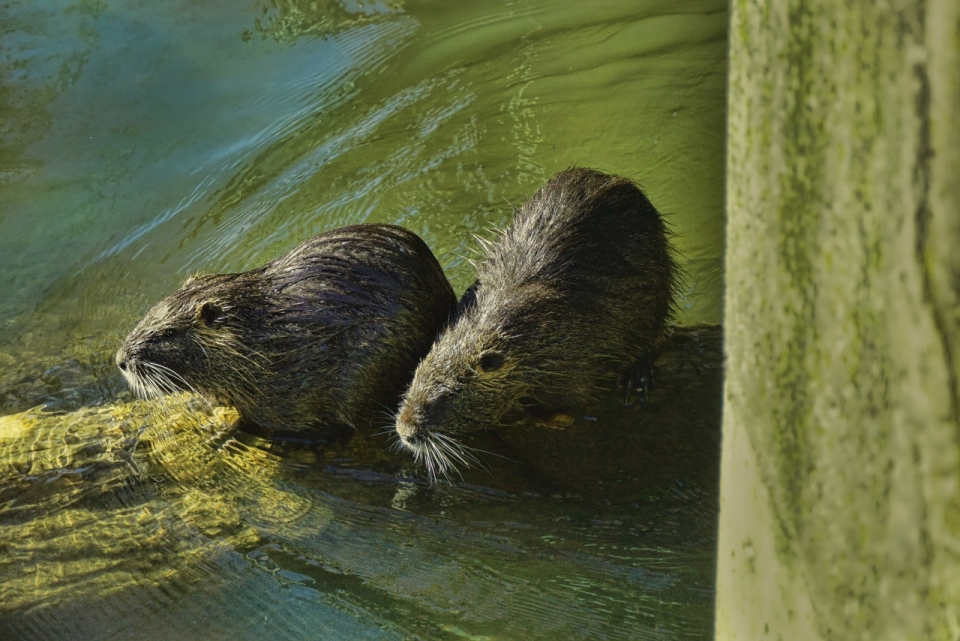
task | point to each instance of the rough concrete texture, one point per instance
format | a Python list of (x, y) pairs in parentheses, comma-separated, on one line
[(840, 479)]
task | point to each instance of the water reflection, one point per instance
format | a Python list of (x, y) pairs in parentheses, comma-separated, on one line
[(142, 143)]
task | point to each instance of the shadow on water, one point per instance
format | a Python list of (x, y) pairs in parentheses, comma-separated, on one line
[(144, 142)]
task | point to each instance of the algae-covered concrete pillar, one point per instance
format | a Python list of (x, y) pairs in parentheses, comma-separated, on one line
[(840, 481)]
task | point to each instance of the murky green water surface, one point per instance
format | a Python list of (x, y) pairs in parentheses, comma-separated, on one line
[(142, 142)]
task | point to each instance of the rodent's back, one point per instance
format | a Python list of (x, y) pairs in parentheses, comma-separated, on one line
[(387, 299), (588, 236)]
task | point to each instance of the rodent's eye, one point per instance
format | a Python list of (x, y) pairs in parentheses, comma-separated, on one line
[(491, 360), (169, 332), (211, 313)]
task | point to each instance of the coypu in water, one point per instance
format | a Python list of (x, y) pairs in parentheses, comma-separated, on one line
[(324, 336), (573, 295)]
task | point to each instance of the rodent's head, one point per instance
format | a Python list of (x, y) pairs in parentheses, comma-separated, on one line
[(477, 376), (188, 341)]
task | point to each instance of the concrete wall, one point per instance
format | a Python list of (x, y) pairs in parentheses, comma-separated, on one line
[(840, 480)]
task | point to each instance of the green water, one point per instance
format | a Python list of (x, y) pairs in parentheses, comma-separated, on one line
[(143, 142)]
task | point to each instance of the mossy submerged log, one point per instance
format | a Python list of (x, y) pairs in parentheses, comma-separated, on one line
[(840, 479)]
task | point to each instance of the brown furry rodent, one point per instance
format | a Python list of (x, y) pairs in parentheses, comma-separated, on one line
[(326, 335), (574, 294)]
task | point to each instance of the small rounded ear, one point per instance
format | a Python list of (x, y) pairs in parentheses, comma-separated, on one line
[(491, 360), (211, 313)]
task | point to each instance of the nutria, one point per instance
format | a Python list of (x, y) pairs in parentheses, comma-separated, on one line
[(326, 335), (571, 297)]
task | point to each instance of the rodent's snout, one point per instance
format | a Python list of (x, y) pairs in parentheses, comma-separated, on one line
[(408, 428), (128, 360), (121, 359), (418, 420)]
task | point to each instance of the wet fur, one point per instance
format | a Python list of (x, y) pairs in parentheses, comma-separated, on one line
[(327, 334), (572, 295)]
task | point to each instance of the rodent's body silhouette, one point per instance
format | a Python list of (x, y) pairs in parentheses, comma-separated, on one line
[(326, 335), (573, 294)]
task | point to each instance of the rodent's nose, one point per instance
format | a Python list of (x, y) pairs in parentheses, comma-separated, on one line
[(407, 426), (407, 431), (122, 360)]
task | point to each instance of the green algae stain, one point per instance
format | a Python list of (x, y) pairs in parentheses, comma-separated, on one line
[(799, 223)]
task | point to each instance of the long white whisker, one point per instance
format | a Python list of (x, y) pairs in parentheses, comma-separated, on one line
[(461, 452), (442, 458), (428, 458), (450, 453), (168, 373), (154, 390), (478, 450)]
